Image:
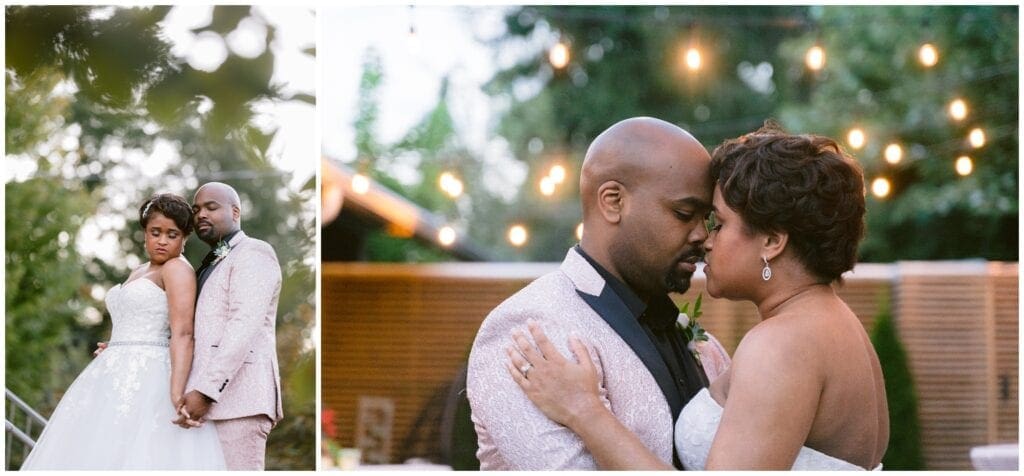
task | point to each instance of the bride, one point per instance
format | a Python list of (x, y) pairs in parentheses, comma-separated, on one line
[(118, 413), (805, 388)]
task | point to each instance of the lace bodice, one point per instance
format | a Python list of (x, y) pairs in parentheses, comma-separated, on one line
[(138, 311), (698, 423)]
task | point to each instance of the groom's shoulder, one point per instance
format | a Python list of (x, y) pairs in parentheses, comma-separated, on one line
[(258, 246), (547, 295)]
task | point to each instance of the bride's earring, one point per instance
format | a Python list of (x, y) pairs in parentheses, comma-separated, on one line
[(766, 273)]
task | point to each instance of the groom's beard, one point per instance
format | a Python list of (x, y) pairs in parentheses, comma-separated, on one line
[(677, 280)]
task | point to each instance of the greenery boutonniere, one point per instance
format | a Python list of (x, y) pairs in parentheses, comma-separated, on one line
[(690, 327)]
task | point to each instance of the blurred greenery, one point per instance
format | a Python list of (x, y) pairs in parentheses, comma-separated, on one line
[(905, 450), (626, 61), (88, 89)]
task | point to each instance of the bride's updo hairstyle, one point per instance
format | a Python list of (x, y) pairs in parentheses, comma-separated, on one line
[(171, 206), (804, 185)]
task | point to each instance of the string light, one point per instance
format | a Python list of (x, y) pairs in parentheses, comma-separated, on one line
[(815, 58), (893, 153), (547, 186), (360, 184), (881, 187), (964, 166), (559, 55), (517, 235), (446, 236), (958, 109), (928, 55), (692, 59), (450, 185), (557, 174), (976, 137), (579, 232), (856, 138)]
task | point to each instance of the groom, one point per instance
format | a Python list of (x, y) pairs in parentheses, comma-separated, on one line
[(646, 191), (235, 379)]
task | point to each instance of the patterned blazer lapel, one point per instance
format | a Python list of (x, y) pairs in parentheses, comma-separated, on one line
[(235, 240), (603, 300)]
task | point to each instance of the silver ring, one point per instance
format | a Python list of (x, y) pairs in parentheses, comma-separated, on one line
[(525, 369)]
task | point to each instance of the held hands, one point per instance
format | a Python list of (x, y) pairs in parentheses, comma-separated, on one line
[(192, 409), (100, 347), (566, 391)]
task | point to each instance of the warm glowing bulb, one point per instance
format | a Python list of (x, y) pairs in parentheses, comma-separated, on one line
[(360, 184), (693, 59), (557, 174), (815, 58), (559, 55), (958, 109), (928, 55), (880, 187), (579, 232), (964, 166), (893, 153), (976, 137), (446, 236), (517, 235), (856, 138), (547, 186)]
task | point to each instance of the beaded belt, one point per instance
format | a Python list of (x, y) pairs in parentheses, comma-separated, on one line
[(139, 342)]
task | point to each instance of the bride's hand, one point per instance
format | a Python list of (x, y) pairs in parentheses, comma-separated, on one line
[(566, 391)]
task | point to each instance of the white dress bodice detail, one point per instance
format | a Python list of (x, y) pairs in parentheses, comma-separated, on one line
[(698, 423), (138, 311)]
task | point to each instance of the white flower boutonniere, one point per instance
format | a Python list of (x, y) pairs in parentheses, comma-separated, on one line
[(690, 327), (221, 251)]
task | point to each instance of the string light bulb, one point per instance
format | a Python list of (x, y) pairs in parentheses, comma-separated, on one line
[(856, 138), (928, 55), (693, 59), (450, 184), (517, 235), (557, 174), (958, 109), (360, 184), (579, 232), (559, 55), (893, 153), (964, 166), (881, 187), (547, 186), (815, 58), (976, 137), (446, 236)]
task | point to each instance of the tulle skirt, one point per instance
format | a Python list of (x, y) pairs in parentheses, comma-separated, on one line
[(117, 415)]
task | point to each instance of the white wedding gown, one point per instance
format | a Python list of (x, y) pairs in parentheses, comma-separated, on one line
[(698, 423), (117, 414)]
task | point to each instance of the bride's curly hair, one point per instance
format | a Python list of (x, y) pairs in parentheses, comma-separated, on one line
[(171, 206), (804, 185)]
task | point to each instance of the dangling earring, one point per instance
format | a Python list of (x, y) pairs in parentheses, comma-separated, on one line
[(766, 273)]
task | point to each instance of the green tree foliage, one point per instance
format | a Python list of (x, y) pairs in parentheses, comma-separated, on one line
[(873, 80), (904, 451), (625, 61), (106, 77)]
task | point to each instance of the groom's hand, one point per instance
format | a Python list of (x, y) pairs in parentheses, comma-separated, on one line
[(100, 347), (197, 405)]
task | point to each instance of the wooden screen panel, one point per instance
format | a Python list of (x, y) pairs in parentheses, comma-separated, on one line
[(401, 332), (1005, 283), (942, 323)]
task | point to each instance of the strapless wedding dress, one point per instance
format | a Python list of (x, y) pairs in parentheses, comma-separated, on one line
[(117, 413), (698, 423)]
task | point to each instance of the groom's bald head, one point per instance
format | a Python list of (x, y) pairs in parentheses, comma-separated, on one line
[(217, 211), (639, 176)]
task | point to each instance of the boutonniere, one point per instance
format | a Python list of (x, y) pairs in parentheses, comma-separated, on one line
[(221, 251), (690, 327)]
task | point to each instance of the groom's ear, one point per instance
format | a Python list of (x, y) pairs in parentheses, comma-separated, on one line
[(236, 213), (774, 244), (609, 201)]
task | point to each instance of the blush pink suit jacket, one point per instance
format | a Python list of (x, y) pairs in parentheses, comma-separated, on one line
[(235, 358), (512, 433)]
